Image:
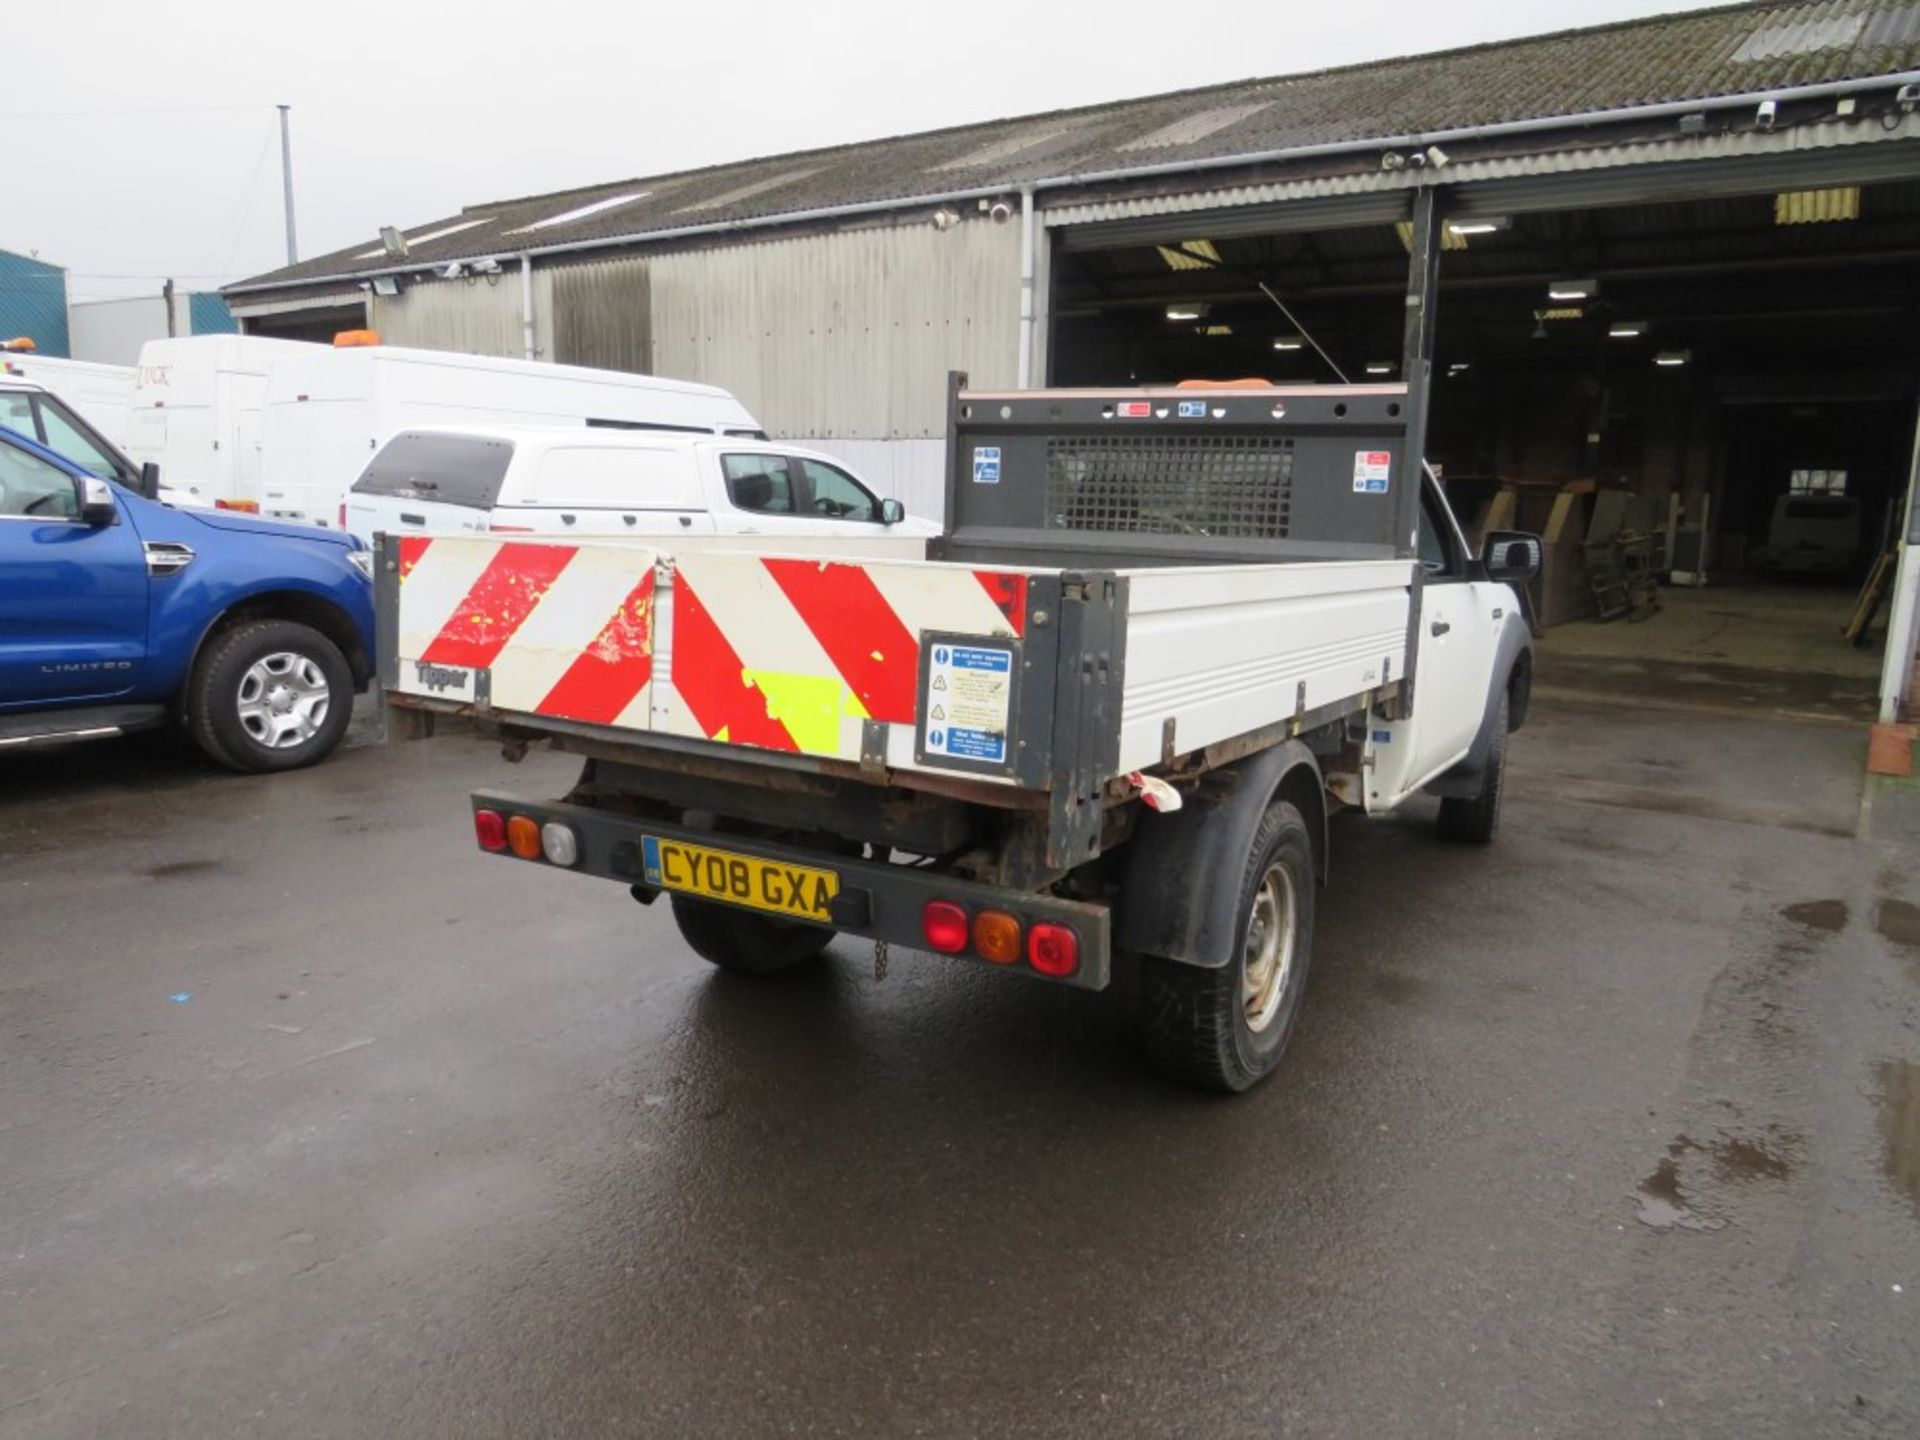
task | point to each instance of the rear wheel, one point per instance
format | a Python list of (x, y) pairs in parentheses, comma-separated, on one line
[(744, 943), (1226, 1028), (269, 695), (1474, 820)]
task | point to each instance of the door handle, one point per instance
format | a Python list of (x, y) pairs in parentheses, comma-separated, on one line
[(1439, 627), (406, 519)]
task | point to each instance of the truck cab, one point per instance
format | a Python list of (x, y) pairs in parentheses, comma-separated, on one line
[(118, 614)]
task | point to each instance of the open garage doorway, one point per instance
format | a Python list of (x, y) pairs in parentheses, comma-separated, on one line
[(1707, 406)]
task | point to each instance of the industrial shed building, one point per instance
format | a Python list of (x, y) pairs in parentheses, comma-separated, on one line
[(1665, 275), (33, 303)]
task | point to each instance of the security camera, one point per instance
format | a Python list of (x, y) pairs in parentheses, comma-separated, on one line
[(1000, 213), (1437, 157), (486, 267), (453, 271), (1393, 160), (1907, 97), (1768, 113), (945, 218)]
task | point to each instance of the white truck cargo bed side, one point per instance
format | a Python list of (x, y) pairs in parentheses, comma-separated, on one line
[(1223, 651)]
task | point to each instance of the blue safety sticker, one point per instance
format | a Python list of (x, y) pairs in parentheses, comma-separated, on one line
[(1193, 409), (986, 464)]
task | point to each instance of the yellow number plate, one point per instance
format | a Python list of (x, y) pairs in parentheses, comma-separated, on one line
[(748, 880)]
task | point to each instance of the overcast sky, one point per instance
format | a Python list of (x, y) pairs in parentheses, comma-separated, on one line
[(143, 142)]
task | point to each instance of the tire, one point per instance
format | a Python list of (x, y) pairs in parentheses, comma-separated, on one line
[(1226, 1028), (743, 943), (1473, 821), (269, 695)]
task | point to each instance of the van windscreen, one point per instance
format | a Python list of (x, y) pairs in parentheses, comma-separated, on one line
[(451, 469)]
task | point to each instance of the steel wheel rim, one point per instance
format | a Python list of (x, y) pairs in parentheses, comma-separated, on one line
[(1267, 959), (283, 700)]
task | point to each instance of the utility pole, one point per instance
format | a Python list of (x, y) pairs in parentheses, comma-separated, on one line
[(286, 179), (166, 299)]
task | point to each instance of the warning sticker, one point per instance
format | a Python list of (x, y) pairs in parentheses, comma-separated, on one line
[(986, 464), (968, 702), (1370, 471)]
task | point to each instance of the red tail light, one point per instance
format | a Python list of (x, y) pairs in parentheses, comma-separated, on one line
[(945, 926), (1053, 950), (490, 829)]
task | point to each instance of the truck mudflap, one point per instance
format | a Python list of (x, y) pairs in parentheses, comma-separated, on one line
[(873, 900)]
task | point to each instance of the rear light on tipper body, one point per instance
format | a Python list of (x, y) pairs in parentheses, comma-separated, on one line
[(555, 842), (996, 937)]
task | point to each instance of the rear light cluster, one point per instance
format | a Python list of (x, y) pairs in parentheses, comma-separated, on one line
[(245, 507), (522, 835), (997, 937)]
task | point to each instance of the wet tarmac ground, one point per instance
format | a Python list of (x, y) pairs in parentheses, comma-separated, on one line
[(316, 1122)]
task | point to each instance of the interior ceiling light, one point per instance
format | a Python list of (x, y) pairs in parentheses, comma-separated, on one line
[(1562, 312), (1190, 255), (1450, 238), (1573, 289), (1216, 329), (1194, 311), (1668, 359), (1458, 367), (1379, 368), (1478, 225), (1626, 329), (1815, 207), (1289, 342)]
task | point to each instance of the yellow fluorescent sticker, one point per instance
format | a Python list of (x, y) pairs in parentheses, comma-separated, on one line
[(810, 706)]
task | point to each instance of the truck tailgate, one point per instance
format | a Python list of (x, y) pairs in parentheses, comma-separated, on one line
[(1039, 678)]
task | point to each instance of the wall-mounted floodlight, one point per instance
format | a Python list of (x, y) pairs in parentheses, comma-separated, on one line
[(388, 285), (393, 242)]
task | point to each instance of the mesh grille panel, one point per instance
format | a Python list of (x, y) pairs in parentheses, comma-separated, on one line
[(1224, 485)]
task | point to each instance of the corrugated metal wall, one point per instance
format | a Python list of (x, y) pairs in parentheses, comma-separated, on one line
[(603, 315), (848, 335), (33, 303), (480, 316)]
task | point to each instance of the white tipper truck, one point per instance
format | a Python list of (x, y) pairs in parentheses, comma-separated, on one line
[(1102, 720)]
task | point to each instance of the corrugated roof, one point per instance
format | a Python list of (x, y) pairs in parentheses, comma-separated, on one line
[(1698, 55)]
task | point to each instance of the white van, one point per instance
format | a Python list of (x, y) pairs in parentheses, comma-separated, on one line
[(102, 395), (198, 406), (329, 408), (576, 481)]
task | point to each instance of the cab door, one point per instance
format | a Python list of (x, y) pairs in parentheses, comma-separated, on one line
[(73, 595), (1457, 635)]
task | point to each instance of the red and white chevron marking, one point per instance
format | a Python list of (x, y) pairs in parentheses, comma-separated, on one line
[(562, 630), (785, 654), (793, 654)]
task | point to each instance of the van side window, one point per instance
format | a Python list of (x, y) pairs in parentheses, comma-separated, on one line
[(839, 496), (762, 484)]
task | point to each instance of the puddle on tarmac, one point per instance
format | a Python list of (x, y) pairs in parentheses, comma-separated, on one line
[(1900, 1127), (1830, 915), (1665, 1202), (1899, 922), (180, 867)]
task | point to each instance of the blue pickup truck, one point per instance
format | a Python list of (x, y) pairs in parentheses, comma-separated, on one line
[(118, 613)]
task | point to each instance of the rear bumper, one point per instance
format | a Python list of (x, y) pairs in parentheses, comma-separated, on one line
[(877, 901)]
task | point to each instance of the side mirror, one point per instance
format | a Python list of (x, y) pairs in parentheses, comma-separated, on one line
[(892, 512), (1512, 555), (150, 480), (96, 500)]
